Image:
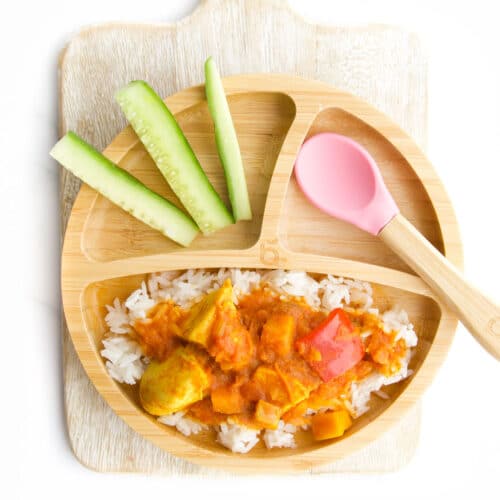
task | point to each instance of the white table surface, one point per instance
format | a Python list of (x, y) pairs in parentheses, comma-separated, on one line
[(459, 451)]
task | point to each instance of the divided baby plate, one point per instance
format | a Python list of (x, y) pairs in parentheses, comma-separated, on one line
[(107, 252)]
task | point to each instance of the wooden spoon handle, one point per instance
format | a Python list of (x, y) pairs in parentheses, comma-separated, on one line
[(479, 314)]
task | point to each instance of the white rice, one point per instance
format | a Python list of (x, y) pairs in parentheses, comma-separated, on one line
[(126, 362), (361, 391), (296, 283), (238, 438), (139, 303), (397, 320), (190, 286), (117, 318), (282, 437), (183, 424), (125, 359)]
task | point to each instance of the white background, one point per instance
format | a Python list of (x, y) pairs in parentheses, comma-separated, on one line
[(459, 451)]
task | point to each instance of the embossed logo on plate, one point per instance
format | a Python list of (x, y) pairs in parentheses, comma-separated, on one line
[(269, 253)]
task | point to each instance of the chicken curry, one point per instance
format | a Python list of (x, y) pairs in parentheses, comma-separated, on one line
[(264, 359)]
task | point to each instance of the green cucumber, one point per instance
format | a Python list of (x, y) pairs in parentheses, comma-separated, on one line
[(227, 143), (123, 189), (170, 150)]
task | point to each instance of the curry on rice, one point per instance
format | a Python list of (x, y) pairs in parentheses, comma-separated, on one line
[(267, 361)]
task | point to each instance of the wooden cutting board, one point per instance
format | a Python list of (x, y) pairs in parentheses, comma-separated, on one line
[(266, 37)]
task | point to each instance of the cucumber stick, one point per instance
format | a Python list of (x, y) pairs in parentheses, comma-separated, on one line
[(227, 143), (123, 189), (170, 150)]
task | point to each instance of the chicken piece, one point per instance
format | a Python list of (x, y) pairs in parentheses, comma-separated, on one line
[(175, 383), (158, 333), (231, 344), (277, 337), (197, 327)]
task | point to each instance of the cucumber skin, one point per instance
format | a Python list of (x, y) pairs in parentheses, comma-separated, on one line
[(227, 143), (95, 169), (164, 140)]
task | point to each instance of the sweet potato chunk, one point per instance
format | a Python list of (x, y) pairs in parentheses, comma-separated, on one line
[(228, 399), (271, 385), (267, 414), (277, 337), (331, 424), (298, 378), (297, 392)]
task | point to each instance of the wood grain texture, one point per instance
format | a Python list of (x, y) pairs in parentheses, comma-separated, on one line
[(479, 314), (170, 57), (95, 268)]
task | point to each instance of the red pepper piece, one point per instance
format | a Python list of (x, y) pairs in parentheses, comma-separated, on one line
[(333, 347)]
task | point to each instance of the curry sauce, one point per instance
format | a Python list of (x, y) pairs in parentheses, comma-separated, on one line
[(242, 363)]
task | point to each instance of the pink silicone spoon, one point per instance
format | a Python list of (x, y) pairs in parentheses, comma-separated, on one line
[(341, 178)]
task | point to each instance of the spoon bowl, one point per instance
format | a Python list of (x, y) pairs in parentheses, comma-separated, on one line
[(341, 178)]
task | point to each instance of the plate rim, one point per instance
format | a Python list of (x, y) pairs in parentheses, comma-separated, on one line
[(72, 297)]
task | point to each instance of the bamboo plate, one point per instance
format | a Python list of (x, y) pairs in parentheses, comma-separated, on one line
[(107, 253)]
